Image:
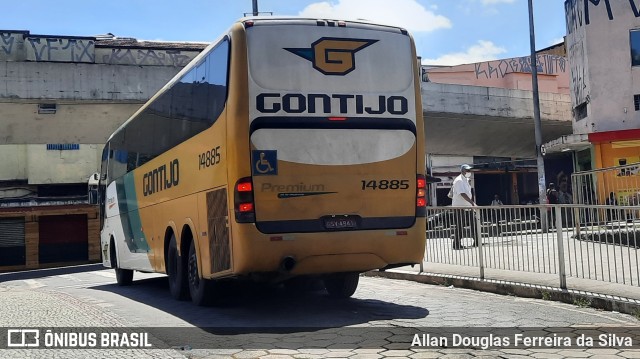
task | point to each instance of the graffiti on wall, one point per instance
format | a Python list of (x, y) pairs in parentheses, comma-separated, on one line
[(546, 64), (146, 57), (577, 15), (576, 19), (7, 40), (60, 49), (20, 46), (578, 74)]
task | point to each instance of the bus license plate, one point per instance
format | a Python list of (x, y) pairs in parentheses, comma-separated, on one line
[(340, 223)]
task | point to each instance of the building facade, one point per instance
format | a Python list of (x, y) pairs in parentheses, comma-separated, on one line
[(494, 130), (603, 45), (62, 97)]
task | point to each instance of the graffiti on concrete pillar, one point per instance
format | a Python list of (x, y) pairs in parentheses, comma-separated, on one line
[(596, 3), (545, 64), (61, 49), (578, 77), (152, 57), (119, 56), (177, 58), (146, 57), (577, 15), (6, 42), (80, 50)]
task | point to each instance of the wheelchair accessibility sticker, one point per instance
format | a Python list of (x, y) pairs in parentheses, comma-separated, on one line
[(265, 162)]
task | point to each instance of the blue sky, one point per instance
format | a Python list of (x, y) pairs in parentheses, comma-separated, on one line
[(447, 32)]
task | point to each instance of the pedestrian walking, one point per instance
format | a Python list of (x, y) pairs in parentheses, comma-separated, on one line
[(462, 197)]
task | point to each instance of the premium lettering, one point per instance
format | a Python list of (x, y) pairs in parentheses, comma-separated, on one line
[(161, 178), (300, 187)]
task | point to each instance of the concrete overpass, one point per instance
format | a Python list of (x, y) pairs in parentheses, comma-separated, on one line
[(484, 121), (460, 119)]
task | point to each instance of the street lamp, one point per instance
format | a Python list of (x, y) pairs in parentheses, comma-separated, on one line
[(536, 117)]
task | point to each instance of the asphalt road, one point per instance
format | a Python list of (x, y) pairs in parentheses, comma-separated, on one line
[(273, 322)]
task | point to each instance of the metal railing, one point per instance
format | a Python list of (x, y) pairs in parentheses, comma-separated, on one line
[(607, 186), (584, 241)]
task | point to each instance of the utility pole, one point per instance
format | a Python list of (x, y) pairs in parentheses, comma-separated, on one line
[(538, 127), (255, 7)]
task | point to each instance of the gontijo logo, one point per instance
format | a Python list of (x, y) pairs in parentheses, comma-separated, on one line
[(333, 56)]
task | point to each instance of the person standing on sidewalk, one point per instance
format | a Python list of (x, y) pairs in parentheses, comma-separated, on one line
[(463, 197), (552, 198), (496, 201)]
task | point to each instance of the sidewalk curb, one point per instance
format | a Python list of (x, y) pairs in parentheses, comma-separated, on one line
[(44, 272), (570, 296)]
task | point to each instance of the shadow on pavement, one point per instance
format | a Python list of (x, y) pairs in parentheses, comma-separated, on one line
[(40, 273), (256, 306)]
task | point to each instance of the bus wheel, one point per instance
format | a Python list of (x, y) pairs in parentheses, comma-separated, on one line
[(199, 288), (178, 284), (123, 276), (341, 285)]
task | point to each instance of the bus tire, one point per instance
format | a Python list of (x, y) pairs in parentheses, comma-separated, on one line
[(200, 288), (341, 285), (176, 270), (124, 277)]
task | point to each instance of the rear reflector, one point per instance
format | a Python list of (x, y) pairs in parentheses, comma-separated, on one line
[(337, 118)]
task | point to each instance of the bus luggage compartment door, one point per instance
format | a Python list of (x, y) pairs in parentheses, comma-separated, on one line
[(313, 180)]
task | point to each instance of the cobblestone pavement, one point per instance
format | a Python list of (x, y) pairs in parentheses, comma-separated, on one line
[(371, 325)]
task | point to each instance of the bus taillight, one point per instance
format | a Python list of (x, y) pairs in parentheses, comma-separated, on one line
[(245, 186), (245, 207), (421, 196), (243, 201)]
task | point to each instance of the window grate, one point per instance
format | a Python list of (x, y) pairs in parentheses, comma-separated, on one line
[(47, 108), (636, 102), (62, 146), (580, 111)]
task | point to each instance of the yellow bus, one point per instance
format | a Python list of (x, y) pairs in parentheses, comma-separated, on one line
[(289, 148)]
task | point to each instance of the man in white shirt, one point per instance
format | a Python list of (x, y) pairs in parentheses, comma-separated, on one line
[(462, 197), (496, 201)]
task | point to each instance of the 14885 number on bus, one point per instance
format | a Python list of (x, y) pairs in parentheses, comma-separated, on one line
[(209, 158), (384, 184)]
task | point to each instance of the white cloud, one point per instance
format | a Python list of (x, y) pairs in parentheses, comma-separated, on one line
[(492, 2), (408, 14), (482, 51)]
